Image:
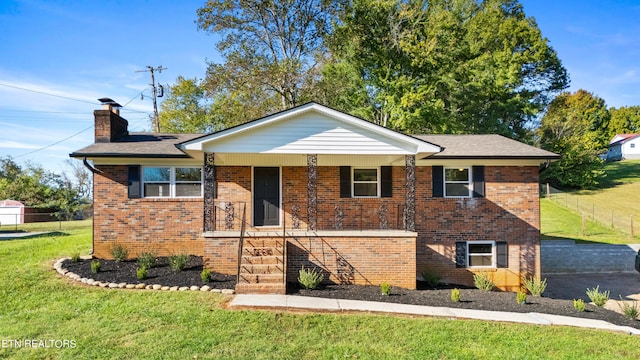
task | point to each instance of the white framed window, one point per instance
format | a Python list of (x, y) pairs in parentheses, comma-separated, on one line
[(457, 182), (171, 181), (481, 254), (366, 182), (632, 145)]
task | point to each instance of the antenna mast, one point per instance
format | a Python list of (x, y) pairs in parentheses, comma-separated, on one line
[(151, 69)]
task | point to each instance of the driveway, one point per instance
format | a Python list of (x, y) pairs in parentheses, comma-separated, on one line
[(571, 268)]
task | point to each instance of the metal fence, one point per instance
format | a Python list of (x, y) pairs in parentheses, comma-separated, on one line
[(590, 210)]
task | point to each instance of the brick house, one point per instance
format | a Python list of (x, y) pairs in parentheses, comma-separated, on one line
[(315, 187)]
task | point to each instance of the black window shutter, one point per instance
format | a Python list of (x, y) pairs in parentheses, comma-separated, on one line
[(478, 181), (502, 254), (134, 182), (437, 174), (386, 182), (461, 254), (345, 181)]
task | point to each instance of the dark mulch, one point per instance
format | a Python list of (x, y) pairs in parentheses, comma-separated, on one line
[(160, 273), (471, 298)]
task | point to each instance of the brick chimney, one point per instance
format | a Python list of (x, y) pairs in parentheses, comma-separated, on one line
[(109, 126)]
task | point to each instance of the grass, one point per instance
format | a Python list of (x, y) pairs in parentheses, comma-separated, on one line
[(121, 324), (613, 206)]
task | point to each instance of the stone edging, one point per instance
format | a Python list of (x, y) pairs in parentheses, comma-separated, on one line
[(73, 276)]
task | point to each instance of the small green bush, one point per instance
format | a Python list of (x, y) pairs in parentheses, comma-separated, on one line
[(119, 252), (535, 286), (579, 305), (310, 278), (455, 295), (178, 262), (521, 297), (630, 310), (385, 288), (141, 273), (147, 260), (75, 257), (205, 275), (597, 297), (483, 282), (95, 266), (431, 278)]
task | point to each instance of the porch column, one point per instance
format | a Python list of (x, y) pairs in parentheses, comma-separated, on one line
[(209, 192), (312, 191), (410, 193)]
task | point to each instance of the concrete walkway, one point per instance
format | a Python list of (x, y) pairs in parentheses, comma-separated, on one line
[(567, 257), (338, 305), (4, 235)]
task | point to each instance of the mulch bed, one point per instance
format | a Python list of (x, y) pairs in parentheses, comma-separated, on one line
[(471, 298), (160, 273)]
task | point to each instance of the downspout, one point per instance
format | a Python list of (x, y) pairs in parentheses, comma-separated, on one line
[(93, 223), (544, 167)]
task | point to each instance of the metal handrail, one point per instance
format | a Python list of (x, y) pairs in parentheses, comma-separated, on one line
[(241, 239)]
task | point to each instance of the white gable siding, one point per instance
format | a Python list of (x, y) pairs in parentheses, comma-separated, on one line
[(631, 149), (310, 133)]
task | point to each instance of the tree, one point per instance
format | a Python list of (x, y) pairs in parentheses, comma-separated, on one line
[(450, 66), (270, 50), (576, 127), (624, 120), (78, 178), (36, 187), (186, 108)]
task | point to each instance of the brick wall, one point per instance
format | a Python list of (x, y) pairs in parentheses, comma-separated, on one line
[(109, 125), (355, 259), (164, 226), (509, 212)]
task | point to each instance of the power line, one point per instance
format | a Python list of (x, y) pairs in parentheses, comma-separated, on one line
[(151, 69), (55, 143), (49, 94)]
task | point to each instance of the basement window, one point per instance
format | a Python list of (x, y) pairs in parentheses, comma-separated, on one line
[(172, 182)]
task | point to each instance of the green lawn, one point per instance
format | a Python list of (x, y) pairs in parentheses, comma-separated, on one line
[(123, 324)]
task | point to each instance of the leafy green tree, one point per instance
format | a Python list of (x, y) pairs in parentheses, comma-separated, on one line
[(186, 108), (450, 66), (36, 187), (270, 50), (576, 127), (624, 120)]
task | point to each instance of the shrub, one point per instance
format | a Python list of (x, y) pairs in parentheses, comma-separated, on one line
[(431, 278), (385, 288), (310, 278), (597, 297), (579, 305), (141, 273), (455, 295), (483, 282), (205, 275), (95, 266), (521, 297), (119, 252), (629, 309), (535, 286), (75, 257), (178, 262), (147, 260)]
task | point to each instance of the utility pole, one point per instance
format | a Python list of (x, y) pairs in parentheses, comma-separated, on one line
[(151, 69)]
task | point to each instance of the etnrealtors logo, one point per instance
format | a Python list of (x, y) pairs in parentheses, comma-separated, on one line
[(38, 344)]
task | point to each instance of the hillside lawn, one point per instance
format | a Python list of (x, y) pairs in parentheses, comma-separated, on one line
[(122, 324), (618, 198)]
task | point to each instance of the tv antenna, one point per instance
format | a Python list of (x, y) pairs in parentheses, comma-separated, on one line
[(157, 92)]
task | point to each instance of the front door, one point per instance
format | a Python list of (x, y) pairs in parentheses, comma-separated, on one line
[(266, 196)]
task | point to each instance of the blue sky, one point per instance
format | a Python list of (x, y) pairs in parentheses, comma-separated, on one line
[(58, 57)]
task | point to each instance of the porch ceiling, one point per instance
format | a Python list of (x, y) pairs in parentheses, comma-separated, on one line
[(224, 159)]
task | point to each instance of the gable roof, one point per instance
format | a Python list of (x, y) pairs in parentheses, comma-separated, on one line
[(485, 147), (622, 138), (310, 129)]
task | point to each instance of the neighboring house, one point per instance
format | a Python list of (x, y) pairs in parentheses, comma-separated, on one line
[(624, 146), (11, 212), (315, 187)]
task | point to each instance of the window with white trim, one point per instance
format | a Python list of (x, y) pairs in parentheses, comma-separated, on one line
[(171, 181), (632, 145), (481, 254), (366, 182), (457, 182)]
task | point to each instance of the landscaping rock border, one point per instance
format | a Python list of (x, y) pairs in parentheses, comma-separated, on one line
[(91, 282)]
